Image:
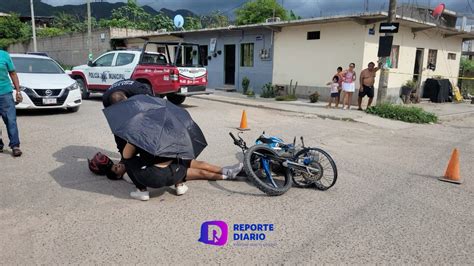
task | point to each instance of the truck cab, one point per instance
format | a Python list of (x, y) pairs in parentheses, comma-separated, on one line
[(172, 69), (100, 74)]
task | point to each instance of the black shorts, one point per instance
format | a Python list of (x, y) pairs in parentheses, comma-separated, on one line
[(155, 177), (367, 91), (334, 94)]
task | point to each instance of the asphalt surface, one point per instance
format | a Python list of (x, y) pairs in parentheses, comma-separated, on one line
[(386, 207)]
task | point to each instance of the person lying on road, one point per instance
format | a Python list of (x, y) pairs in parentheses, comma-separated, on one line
[(147, 170)]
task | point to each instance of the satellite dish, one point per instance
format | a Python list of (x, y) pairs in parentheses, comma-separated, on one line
[(178, 21), (438, 11)]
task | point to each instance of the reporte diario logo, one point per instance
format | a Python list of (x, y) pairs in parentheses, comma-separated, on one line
[(217, 233), (214, 233)]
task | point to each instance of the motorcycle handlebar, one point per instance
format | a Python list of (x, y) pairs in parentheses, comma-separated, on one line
[(233, 137)]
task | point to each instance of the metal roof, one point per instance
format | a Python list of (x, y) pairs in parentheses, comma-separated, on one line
[(360, 18)]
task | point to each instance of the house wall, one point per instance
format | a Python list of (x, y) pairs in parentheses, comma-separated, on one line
[(68, 49), (312, 63), (408, 42), (261, 71)]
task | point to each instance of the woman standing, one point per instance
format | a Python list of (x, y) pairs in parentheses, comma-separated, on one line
[(348, 85)]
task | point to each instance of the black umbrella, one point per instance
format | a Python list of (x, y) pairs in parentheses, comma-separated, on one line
[(156, 126)]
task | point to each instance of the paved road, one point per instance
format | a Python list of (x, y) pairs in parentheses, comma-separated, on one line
[(387, 206)]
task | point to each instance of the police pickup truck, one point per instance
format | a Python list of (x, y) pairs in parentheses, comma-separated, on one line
[(171, 69)]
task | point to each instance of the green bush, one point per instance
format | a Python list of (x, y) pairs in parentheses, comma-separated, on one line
[(403, 113), (250, 93), (245, 85), (268, 91)]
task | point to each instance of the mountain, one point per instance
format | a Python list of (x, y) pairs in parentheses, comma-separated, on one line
[(183, 12), (99, 10)]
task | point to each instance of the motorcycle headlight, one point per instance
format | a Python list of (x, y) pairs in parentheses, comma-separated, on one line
[(74, 86)]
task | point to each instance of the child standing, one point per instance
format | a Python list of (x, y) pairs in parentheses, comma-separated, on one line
[(334, 86)]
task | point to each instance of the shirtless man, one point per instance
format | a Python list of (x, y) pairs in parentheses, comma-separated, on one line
[(367, 80)]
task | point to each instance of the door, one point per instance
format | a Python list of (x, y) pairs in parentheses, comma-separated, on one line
[(229, 64), (124, 65), (417, 69), (98, 74)]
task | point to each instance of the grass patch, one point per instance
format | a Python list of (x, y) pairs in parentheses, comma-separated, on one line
[(286, 98), (403, 113)]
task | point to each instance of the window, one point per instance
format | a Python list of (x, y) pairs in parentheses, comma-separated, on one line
[(124, 59), (246, 55), (105, 60), (432, 55), (394, 56), (451, 56), (203, 52), (36, 66), (313, 35)]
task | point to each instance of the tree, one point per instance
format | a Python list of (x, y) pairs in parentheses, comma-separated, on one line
[(67, 22), (192, 23), (161, 21), (131, 16), (214, 20), (11, 27), (293, 16), (259, 10), (13, 30)]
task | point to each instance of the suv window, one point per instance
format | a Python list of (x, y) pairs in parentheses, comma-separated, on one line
[(124, 59), (105, 60)]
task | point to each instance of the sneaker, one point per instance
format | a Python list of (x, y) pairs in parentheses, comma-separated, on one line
[(16, 152), (344, 108), (181, 189), (231, 172), (140, 195)]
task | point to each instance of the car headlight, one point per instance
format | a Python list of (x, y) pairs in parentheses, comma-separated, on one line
[(74, 86)]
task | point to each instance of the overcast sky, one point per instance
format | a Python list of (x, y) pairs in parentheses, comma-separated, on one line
[(304, 8)]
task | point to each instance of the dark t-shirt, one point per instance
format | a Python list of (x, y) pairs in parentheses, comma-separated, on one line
[(127, 86)]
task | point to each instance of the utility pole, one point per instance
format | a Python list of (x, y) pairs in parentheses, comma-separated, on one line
[(383, 81), (89, 30), (33, 26)]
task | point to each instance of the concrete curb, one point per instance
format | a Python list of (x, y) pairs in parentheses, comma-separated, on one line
[(256, 105)]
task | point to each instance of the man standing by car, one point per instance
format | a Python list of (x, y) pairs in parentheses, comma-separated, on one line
[(367, 81), (7, 104)]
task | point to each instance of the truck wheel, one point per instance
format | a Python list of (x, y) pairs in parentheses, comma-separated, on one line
[(176, 99), (84, 91)]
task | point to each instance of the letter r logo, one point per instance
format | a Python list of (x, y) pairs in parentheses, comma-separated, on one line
[(214, 233)]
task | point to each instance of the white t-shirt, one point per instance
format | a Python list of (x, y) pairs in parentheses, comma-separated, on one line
[(334, 87)]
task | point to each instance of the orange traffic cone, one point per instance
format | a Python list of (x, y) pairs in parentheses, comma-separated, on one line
[(243, 122), (452, 174)]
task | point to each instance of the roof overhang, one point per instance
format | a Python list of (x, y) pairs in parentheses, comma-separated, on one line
[(361, 19)]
